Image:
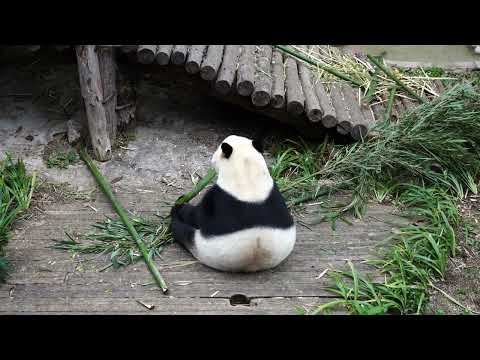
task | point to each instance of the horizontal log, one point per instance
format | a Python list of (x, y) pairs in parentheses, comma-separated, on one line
[(129, 48), (146, 53), (278, 79), (226, 74), (163, 54), (312, 105), (195, 58), (263, 79), (358, 124), (246, 70), (211, 63), (179, 54), (343, 114), (295, 96)]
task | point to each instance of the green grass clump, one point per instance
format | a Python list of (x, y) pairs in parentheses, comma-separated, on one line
[(112, 237), (16, 189), (62, 160), (438, 143), (426, 162), (418, 256)]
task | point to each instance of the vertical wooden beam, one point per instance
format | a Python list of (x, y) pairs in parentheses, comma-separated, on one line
[(92, 92), (108, 70)]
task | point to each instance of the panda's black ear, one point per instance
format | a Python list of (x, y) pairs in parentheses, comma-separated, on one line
[(258, 144), (227, 150)]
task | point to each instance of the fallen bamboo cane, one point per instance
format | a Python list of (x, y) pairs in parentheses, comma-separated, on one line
[(196, 190), (392, 76), (328, 69), (123, 216)]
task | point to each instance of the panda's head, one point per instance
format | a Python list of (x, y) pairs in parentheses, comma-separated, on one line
[(242, 170)]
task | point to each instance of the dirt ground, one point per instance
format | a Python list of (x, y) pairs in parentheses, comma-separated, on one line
[(171, 144)]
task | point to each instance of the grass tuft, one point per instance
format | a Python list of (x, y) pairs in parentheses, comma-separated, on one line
[(16, 189), (63, 160)]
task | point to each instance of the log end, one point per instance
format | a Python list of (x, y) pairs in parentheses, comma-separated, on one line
[(278, 101), (129, 48), (260, 98), (329, 121), (344, 128), (359, 132), (295, 107), (208, 73), (315, 115), (178, 57), (162, 58), (145, 56), (192, 67), (245, 88), (223, 87)]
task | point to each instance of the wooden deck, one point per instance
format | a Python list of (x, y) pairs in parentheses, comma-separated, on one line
[(53, 281)]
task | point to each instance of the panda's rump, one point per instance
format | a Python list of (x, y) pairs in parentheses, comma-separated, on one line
[(248, 250)]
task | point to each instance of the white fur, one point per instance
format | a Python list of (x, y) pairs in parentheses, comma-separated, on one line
[(245, 174), (245, 251)]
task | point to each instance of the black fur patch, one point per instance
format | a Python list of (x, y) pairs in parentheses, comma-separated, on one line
[(227, 149), (258, 144), (220, 213)]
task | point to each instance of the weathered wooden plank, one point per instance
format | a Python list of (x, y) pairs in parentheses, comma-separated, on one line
[(162, 305)]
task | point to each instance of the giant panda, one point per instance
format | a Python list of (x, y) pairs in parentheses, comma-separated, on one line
[(242, 223)]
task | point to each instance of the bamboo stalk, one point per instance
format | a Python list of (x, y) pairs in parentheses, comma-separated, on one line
[(196, 190), (371, 90), (392, 76), (124, 217), (329, 69), (391, 97)]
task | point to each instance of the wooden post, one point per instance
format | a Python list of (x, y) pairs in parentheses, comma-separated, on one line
[(92, 92), (106, 60)]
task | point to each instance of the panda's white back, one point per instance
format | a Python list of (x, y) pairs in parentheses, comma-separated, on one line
[(247, 250)]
